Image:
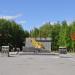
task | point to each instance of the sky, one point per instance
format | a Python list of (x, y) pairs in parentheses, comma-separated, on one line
[(34, 13)]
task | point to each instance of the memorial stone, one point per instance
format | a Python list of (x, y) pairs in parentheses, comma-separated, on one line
[(62, 50), (5, 51)]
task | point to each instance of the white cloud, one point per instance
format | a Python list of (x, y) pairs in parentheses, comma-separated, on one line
[(22, 22), (10, 17)]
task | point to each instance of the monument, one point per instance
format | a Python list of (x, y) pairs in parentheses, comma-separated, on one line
[(37, 44)]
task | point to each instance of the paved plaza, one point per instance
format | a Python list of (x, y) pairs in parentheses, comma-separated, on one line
[(37, 65)]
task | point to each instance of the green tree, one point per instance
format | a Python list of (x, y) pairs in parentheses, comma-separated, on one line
[(72, 30), (45, 30), (12, 33), (34, 32), (55, 36), (63, 35)]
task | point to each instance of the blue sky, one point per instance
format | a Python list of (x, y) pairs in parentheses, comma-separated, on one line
[(33, 13)]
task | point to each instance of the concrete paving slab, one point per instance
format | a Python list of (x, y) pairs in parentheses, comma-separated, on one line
[(36, 65)]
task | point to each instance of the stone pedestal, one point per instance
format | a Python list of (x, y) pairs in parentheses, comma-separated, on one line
[(5, 51), (62, 50)]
